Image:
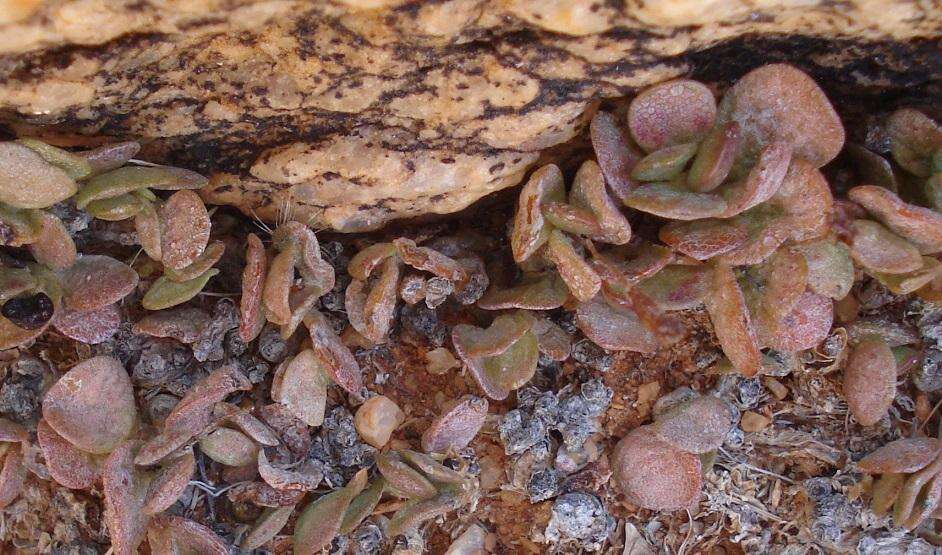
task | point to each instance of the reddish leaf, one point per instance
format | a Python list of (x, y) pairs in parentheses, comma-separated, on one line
[(184, 229), (336, 358), (88, 326), (95, 281), (67, 465), (92, 405), (920, 226), (12, 477), (169, 483), (124, 495), (670, 113), (870, 380), (902, 456), (579, 276), (703, 239), (876, 248), (805, 326), (618, 329), (454, 429), (731, 321), (183, 324), (614, 152), (697, 426), (53, 247), (654, 475), (778, 102), (529, 230), (253, 280)]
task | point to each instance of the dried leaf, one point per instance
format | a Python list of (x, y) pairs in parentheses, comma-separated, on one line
[(95, 281), (92, 405), (670, 113), (263, 495), (870, 380), (47, 183), (12, 477), (282, 479), (530, 231), (654, 475), (184, 229), (67, 465), (454, 429)]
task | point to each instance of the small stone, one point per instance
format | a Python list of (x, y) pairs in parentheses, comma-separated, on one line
[(377, 419), (648, 392), (753, 421), (542, 485), (519, 434), (776, 387), (437, 290), (440, 360)]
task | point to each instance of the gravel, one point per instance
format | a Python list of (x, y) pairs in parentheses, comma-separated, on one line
[(580, 516)]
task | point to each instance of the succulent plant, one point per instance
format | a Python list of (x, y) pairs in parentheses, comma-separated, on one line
[(910, 480)]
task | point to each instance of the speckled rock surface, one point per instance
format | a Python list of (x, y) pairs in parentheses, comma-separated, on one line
[(353, 113)]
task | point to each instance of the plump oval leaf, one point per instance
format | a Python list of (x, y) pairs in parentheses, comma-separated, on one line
[(529, 228), (870, 380), (184, 229), (653, 474), (670, 113), (28, 181), (92, 405), (95, 281)]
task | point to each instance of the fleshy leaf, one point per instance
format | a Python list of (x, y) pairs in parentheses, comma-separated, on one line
[(731, 321), (529, 228), (671, 113), (870, 380)]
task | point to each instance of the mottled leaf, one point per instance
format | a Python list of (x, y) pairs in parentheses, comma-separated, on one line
[(653, 474), (876, 248), (183, 324), (169, 483), (88, 326), (253, 280), (914, 137), (200, 265), (454, 428), (674, 201), (665, 163), (543, 291), (670, 113), (184, 229), (320, 521), (920, 226), (92, 405), (301, 385), (615, 328), (95, 281), (870, 380), (165, 293), (53, 246), (904, 455), (731, 321), (615, 154), (131, 178), (67, 465), (715, 158), (336, 359)]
